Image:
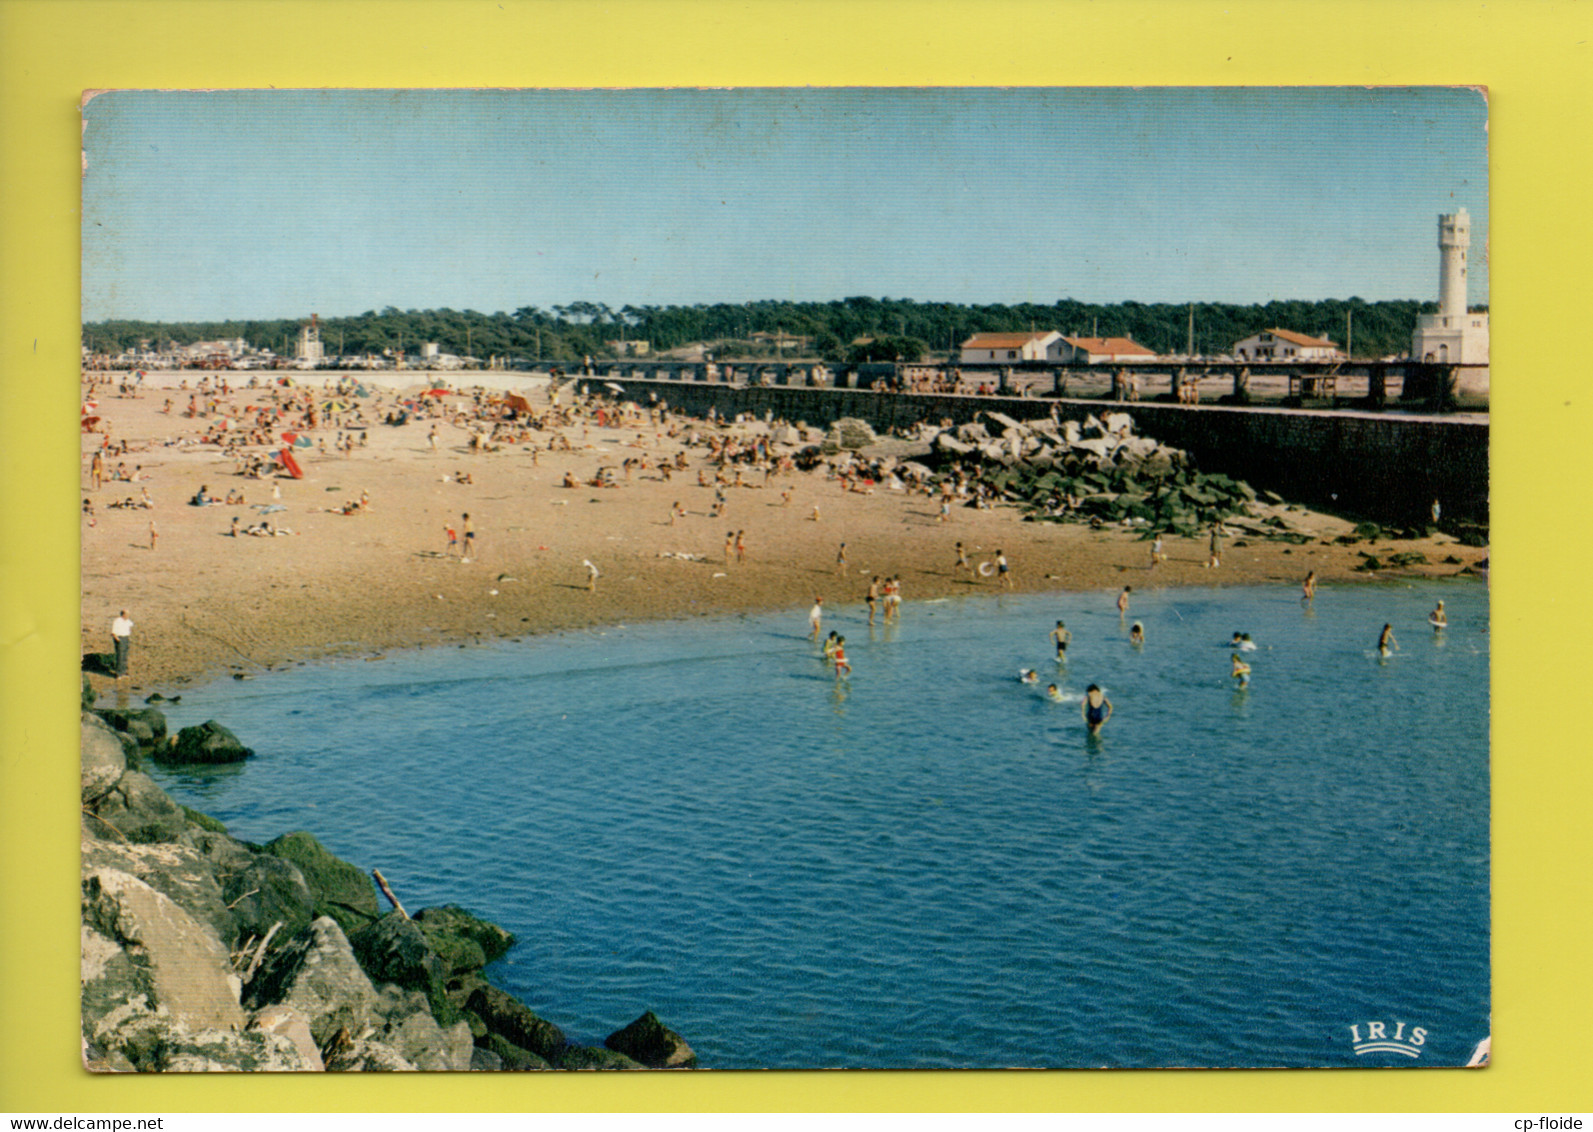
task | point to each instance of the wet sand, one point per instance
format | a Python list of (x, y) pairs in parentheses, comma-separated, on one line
[(205, 603)]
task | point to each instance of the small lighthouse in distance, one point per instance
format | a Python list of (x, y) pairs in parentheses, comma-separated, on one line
[(1454, 334)]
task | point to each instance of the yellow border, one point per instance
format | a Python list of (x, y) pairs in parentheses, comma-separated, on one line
[(1533, 56)]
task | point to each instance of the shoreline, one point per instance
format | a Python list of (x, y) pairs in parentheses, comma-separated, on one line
[(205, 603)]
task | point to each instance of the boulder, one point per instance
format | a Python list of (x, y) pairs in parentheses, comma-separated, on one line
[(137, 1037), (146, 725), (1118, 424), (650, 1042), (366, 1056), (395, 950), (207, 743), (102, 761), (189, 975), (140, 811), (418, 1039), (1004, 422), (510, 1056), (594, 1057), (485, 1061), (341, 891), (173, 868), (463, 941), (202, 820), (217, 1051), (461, 987), (508, 1016), (286, 1022), (946, 442), (971, 433), (850, 432), (109, 976), (267, 890), (316, 973)]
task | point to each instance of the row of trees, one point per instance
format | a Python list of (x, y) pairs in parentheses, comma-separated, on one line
[(898, 327)]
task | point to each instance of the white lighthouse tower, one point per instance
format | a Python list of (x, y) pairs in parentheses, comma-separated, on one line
[(1454, 334), (310, 341)]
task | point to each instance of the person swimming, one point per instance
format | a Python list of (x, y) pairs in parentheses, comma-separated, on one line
[(1438, 619), (1028, 676), (1240, 671), (1385, 640), (1242, 641), (1053, 693), (1136, 634), (1095, 708)]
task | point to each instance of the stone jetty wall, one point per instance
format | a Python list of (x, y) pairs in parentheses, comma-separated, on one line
[(1388, 467)]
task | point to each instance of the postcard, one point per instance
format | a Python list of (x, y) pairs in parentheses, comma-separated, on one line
[(768, 578)]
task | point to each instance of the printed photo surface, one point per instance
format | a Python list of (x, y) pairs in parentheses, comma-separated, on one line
[(773, 578)]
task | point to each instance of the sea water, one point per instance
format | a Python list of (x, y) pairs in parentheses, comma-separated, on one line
[(931, 864)]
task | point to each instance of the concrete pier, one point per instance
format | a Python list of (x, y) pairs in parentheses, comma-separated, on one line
[(1383, 466)]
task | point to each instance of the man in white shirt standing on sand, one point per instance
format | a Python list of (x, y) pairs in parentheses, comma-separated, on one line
[(121, 640)]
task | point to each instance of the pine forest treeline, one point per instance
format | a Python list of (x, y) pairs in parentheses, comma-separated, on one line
[(900, 327)]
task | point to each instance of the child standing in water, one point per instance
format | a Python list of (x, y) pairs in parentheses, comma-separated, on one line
[(1061, 636), (842, 668), (1095, 708), (1385, 641), (1240, 671)]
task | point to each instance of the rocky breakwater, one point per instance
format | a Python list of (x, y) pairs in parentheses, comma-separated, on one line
[(1099, 471), (204, 952)]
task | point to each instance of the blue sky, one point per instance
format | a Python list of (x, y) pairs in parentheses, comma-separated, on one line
[(274, 204)]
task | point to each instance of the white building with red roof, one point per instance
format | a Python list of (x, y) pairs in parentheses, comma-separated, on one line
[(1286, 346), (1088, 351), (1019, 346)]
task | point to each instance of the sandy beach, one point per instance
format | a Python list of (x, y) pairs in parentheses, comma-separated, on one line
[(205, 603)]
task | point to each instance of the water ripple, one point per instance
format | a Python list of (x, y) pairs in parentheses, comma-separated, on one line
[(932, 866)]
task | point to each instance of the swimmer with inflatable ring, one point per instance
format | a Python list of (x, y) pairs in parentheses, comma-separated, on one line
[(1028, 676), (1240, 671), (1438, 619), (1095, 708)]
